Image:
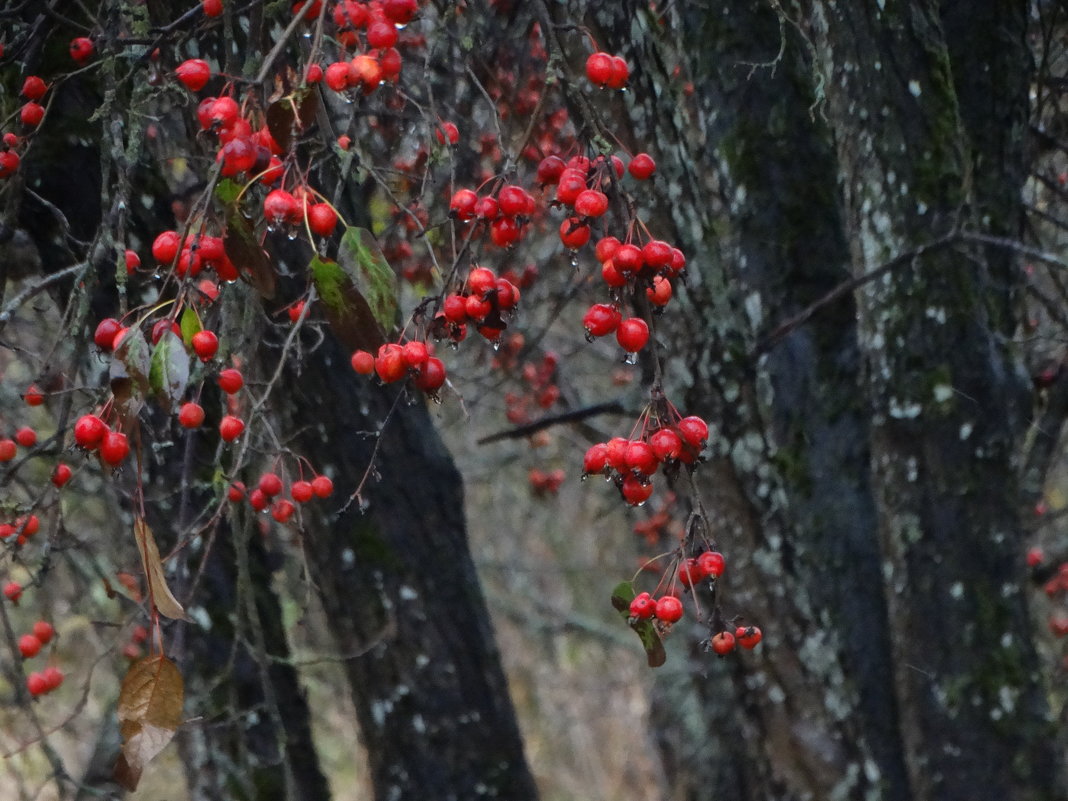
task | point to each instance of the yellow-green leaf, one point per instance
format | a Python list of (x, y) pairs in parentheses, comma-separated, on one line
[(362, 259), (655, 654)]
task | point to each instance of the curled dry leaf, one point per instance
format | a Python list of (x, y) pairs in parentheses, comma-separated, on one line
[(150, 711), (165, 602)]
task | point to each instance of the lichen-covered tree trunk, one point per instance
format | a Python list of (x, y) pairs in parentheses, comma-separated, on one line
[(946, 399), (401, 595)]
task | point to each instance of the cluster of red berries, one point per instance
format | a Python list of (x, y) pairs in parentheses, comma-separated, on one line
[(544, 482), (270, 486), (631, 463), (376, 23), (30, 644), (132, 649), (45, 681), (284, 210), (91, 433), (21, 529), (484, 301), (191, 255), (542, 391), (395, 362), (505, 214)]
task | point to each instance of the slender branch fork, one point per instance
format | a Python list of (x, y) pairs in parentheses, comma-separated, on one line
[(789, 325)]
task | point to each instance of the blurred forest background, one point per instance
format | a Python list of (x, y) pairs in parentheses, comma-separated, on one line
[(872, 199)]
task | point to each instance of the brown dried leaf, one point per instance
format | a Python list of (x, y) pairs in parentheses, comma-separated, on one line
[(244, 249), (150, 711), (165, 602)]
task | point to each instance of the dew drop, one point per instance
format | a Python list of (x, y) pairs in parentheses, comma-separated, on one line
[(496, 344), (630, 358)]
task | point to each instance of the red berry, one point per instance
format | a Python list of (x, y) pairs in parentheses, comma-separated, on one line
[(230, 428), (337, 76), (43, 631), (322, 219), (390, 364), (13, 591), (572, 183), (212, 8), (722, 643), (302, 491), (282, 510), (549, 169), (620, 73), (33, 396), (323, 487), (504, 231), (26, 437), (1035, 557), (689, 572), (611, 276), (447, 130), (236, 492), (36, 684), (258, 500), (165, 247), (642, 166), (106, 329), (31, 114), (29, 646), (29, 524), (194, 74), (599, 69), (636, 491), (643, 606), (668, 609), (33, 88), (748, 636), (206, 344), (114, 448), (270, 484), (712, 563), (591, 203), (191, 415), (628, 258), (223, 113), (295, 310), (693, 430), (400, 12), (81, 49), (666, 444), (53, 677), (481, 280), (512, 200), (9, 163), (89, 430), (363, 362), (281, 208), (231, 380), (462, 204), (161, 327), (381, 35), (313, 74), (660, 292), (61, 475), (133, 261), (415, 353), (632, 334), (430, 376), (640, 457), (574, 233), (596, 458)]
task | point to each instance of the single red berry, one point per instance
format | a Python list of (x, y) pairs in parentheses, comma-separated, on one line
[(322, 219), (29, 646), (660, 292), (230, 428), (53, 677), (31, 114), (643, 606), (295, 310), (337, 77), (512, 200), (270, 484), (282, 510), (81, 49), (722, 643), (390, 364), (231, 380), (668, 609), (206, 344), (481, 280), (281, 208), (114, 448), (363, 362), (259, 500), (549, 169), (165, 247), (748, 636), (43, 631), (29, 524), (642, 166), (666, 444), (620, 73), (504, 232), (33, 88), (574, 233), (1035, 556), (640, 457), (314, 73), (191, 415), (224, 114), (415, 353), (596, 458), (591, 203), (33, 396), (61, 475), (89, 430), (599, 69), (302, 491), (212, 8), (104, 336), (632, 334), (430, 376), (194, 74), (9, 163), (449, 131), (26, 437), (161, 327), (400, 12), (133, 261), (712, 563), (381, 35), (36, 684), (236, 493), (689, 572), (13, 591), (628, 258), (572, 183), (462, 204), (636, 491), (693, 430), (323, 487)]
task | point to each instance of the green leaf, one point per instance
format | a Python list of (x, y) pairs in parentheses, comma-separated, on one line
[(190, 325), (655, 654), (227, 192), (169, 373), (362, 259), (347, 311)]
